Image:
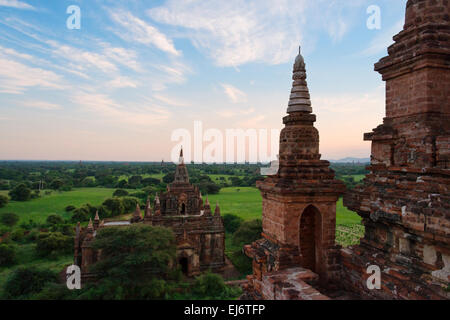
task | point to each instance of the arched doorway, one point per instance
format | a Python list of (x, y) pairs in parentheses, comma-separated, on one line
[(310, 238), (183, 209), (184, 264)]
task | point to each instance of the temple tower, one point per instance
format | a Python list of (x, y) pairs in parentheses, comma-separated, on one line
[(405, 200), (299, 202)]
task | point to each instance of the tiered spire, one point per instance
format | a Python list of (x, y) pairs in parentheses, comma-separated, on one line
[(148, 209), (157, 205), (96, 221), (181, 173), (217, 211), (207, 207), (90, 227), (300, 98)]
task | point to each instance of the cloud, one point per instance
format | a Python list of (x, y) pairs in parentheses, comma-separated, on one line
[(108, 109), (230, 113), (252, 122), (237, 32), (383, 40), (16, 4), (234, 94), (122, 82), (42, 105), (82, 59), (16, 77), (134, 29), (170, 101)]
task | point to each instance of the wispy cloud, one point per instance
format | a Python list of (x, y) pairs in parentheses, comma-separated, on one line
[(42, 105), (16, 77), (234, 94), (107, 108), (137, 30), (237, 32), (170, 101), (122, 82), (16, 4)]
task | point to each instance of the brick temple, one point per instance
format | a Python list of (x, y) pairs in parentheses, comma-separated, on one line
[(404, 202), (200, 233)]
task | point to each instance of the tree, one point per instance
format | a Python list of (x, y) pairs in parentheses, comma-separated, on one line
[(9, 219), (53, 244), (209, 284), (20, 193), (115, 206), (150, 182), (26, 281), (120, 193), (55, 219), (70, 208), (7, 255), (135, 181), (248, 232), (56, 184), (129, 204), (168, 178), (3, 201), (232, 222), (135, 260), (80, 215)]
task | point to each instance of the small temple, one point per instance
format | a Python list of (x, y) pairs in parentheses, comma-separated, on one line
[(200, 233)]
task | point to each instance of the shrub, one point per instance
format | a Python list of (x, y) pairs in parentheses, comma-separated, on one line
[(232, 222), (18, 235), (20, 193), (65, 229), (70, 208), (29, 225), (7, 255), (55, 291), (114, 205), (53, 244), (4, 230), (32, 236), (120, 193), (248, 232), (129, 204), (80, 214), (54, 219), (24, 282), (209, 284), (9, 219), (3, 201)]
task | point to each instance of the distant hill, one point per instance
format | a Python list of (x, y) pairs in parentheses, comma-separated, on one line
[(351, 160)]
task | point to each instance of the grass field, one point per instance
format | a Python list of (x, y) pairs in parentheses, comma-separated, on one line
[(39, 209), (357, 177)]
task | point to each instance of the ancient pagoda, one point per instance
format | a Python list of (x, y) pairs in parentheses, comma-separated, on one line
[(299, 206)]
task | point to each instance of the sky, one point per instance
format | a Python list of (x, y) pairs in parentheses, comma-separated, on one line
[(135, 71)]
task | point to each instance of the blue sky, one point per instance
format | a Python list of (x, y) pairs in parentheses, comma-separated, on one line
[(137, 70)]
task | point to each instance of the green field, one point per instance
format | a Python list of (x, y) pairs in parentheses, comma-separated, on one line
[(245, 202), (356, 177), (39, 209)]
